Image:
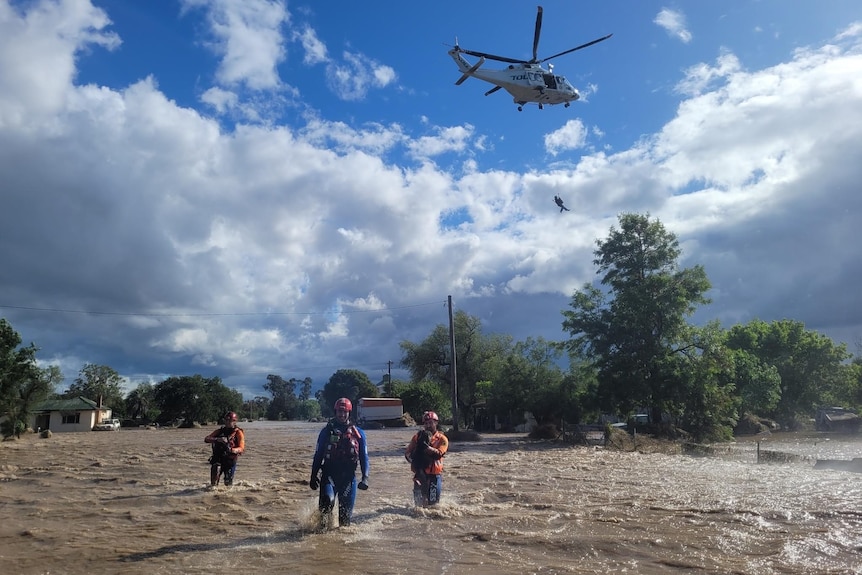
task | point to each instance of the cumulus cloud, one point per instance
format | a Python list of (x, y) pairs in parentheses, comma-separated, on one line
[(673, 21), (248, 35), (571, 136), (173, 243), (351, 78)]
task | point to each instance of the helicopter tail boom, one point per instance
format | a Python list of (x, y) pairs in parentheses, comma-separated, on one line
[(466, 68)]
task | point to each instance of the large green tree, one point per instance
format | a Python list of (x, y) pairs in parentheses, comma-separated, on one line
[(430, 359), (22, 383), (634, 323), (194, 399), (283, 403), (349, 383), (706, 403), (811, 366), (99, 382), (140, 403)]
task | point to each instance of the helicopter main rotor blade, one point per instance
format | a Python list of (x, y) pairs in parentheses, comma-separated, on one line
[(493, 57), (492, 90), (536, 34), (588, 44)]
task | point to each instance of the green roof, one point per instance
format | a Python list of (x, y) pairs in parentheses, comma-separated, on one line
[(75, 404)]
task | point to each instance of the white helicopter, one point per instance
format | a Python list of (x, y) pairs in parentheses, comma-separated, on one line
[(525, 80)]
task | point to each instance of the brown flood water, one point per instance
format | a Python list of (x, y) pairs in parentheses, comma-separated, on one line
[(138, 501)]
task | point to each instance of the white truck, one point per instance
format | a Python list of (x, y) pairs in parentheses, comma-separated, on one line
[(108, 425), (379, 409)]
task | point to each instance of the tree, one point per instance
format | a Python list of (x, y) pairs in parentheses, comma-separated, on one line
[(811, 365), (429, 360), (99, 382), (194, 399), (283, 403), (22, 383), (349, 383), (140, 403), (757, 383), (417, 398), (707, 404), (305, 389), (633, 329)]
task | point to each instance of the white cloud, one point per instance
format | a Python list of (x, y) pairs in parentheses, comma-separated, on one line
[(701, 77), (37, 55), (674, 22), (450, 139), (352, 78), (315, 50), (267, 248), (571, 136), (221, 100), (248, 36)]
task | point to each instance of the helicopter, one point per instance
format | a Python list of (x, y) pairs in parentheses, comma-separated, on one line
[(525, 80)]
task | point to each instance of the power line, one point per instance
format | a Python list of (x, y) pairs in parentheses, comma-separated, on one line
[(210, 314)]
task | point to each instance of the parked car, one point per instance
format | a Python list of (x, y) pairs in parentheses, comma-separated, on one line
[(108, 425)]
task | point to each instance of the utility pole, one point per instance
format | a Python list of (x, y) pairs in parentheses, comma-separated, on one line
[(389, 381), (453, 372)]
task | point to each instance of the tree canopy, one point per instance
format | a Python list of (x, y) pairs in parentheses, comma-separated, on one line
[(634, 325)]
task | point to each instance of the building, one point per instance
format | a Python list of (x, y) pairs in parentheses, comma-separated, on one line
[(62, 415), (838, 419)]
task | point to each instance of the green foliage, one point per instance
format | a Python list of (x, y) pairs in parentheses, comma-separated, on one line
[(22, 383), (140, 403), (707, 405), (194, 399), (634, 329), (349, 383), (810, 365), (99, 381), (284, 403), (308, 409), (256, 408), (417, 398), (757, 383), (474, 353)]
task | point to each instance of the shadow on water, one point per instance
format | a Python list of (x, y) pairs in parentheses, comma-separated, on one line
[(286, 536)]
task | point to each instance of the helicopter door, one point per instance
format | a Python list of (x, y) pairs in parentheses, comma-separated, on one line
[(550, 81)]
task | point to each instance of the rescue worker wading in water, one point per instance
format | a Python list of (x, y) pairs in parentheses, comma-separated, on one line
[(228, 444), (340, 448), (425, 454)]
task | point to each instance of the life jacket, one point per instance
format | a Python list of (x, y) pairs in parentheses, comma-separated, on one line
[(343, 445)]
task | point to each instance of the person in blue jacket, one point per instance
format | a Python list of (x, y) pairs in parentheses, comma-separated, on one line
[(341, 447)]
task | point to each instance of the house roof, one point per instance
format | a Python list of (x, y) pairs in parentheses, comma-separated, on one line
[(75, 404)]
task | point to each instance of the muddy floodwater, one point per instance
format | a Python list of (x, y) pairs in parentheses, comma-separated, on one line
[(138, 501)]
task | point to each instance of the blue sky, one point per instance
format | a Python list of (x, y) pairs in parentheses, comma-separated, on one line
[(246, 187)]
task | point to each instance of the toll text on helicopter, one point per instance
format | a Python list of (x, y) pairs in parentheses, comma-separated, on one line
[(532, 76)]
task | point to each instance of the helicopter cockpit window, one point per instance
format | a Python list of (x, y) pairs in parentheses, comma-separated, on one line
[(550, 81)]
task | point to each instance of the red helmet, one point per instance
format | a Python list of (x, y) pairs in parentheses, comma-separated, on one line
[(230, 416), (343, 403), (429, 416)]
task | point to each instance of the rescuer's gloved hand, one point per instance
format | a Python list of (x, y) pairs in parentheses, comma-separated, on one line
[(363, 485), (314, 483)]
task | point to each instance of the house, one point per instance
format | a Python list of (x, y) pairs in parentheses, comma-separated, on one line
[(61, 415)]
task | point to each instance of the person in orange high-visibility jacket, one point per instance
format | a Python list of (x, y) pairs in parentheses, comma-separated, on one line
[(228, 443), (425, 453)]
